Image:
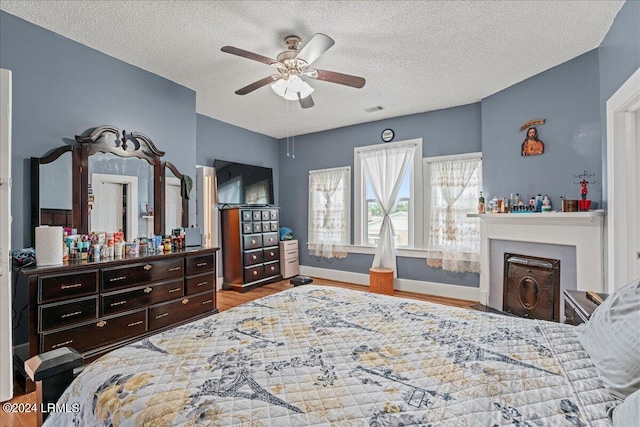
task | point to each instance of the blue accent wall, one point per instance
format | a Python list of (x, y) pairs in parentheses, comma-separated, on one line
[(619, 59), (567, 96), (223, 141), (449, 131), (62, 88)]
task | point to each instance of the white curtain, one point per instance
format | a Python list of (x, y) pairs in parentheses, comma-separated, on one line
[(454, 239), (385, 167), (328, 231), (257, 194)]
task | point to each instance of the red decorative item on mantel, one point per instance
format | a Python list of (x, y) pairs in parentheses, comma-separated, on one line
[(584, 204)]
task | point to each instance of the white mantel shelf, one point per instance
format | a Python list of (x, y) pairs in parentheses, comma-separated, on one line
[(584, 230), (542, 217)]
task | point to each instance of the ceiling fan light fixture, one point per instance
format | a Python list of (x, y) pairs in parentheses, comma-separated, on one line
[(289, 88)]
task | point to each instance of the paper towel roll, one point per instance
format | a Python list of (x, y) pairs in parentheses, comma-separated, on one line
[(48, 245)]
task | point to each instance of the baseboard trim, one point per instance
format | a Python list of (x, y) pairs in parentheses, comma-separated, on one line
[(408, 285)]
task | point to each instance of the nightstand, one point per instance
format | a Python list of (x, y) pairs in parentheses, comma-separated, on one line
[(577, 307)]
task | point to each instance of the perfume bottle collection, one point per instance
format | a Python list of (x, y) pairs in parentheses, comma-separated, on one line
[(101, 245), (514, 204)]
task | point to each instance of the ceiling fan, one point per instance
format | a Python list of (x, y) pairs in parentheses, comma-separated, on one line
[(292, 65)]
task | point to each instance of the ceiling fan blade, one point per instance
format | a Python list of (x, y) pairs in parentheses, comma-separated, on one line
[(249, 55), (306, 102), (257, 85), (318, 45), (334, 77)]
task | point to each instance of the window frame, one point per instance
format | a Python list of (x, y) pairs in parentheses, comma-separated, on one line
[(416, 233), (346, 201)]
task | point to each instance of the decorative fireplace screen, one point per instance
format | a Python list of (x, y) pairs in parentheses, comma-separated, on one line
[(531, 287)]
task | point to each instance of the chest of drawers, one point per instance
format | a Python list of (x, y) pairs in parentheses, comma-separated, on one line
[(289, 258), (250, 250), (95, 307)]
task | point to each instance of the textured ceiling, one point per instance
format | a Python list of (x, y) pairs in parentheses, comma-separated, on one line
[(415, 55)]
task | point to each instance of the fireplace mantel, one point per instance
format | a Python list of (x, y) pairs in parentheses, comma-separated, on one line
[(584, 230)]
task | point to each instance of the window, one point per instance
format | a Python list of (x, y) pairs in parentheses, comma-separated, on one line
[(329, 212), (405, 214), (452, 187)]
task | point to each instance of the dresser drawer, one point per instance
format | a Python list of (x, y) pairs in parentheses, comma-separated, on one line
[(266, 226), (247, 227), (266, 215), (256, 215), (274, 226), (253, 241), (176, 311), (65, 286), (270, 239), (253, 257), (251, 274), (56, 315), (273, 214), (257, 227), (246, 216), (200, 264), (140, 297), (200, 283), (271, 254), (289, 245), (96, 334), (271, 269), (139, 274)]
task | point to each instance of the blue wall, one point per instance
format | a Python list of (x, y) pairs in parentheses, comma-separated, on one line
[(62, 88), (220, 140), (619, 59), (450, 131), (567, 96)]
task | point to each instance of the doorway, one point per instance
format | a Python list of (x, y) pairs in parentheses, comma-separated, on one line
[(115, 206), (623, 184)]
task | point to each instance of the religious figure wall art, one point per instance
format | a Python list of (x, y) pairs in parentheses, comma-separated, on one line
[(532, 145)]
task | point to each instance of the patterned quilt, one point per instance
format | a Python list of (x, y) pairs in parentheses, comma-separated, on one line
[(328, 356)]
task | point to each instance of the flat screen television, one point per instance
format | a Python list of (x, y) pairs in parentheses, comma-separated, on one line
[(242, 184)]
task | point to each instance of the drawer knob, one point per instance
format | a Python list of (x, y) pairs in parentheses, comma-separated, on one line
[(271, 239), (139, 322), (255, 273), (148, 267), (254, 257), (185, 301), (75, 285), (271, 254), (147, 290), (101, 324), (201, 284), (201, 264), (159, 316), (253, 241), (175, 290), (115, 279), (175, 269), (272, 268), (62, 344)]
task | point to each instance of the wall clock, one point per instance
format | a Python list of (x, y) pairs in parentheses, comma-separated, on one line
[(387, 135)]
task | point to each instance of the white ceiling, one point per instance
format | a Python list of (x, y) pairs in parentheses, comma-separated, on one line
[(415, 55)]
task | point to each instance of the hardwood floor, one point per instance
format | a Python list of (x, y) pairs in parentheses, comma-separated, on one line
[(226, 299)]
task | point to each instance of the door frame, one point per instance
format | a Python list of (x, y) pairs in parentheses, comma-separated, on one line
[(622, 192), (6, 351), (132, 199)]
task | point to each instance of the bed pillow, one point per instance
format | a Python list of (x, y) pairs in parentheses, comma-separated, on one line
[(627, 414), (611, 337)]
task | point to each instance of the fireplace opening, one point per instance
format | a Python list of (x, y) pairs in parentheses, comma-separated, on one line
[(531, 287)]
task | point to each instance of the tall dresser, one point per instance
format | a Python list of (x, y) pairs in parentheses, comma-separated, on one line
[(95, 307), (250, 251)]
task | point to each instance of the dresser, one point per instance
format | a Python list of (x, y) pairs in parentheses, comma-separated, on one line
[(95, 307), (250, 251), (578, 308), (289, 265)]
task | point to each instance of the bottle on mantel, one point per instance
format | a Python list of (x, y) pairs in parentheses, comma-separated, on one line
[(481, 207)]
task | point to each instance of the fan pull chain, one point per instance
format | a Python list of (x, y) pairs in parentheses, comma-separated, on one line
[(293, 137), (287, 115)]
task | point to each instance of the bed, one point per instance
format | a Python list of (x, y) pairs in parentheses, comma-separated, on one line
[(327, 356)]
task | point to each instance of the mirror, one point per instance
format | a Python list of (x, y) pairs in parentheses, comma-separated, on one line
[(55, 189), (176, 206), (120, 195)]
